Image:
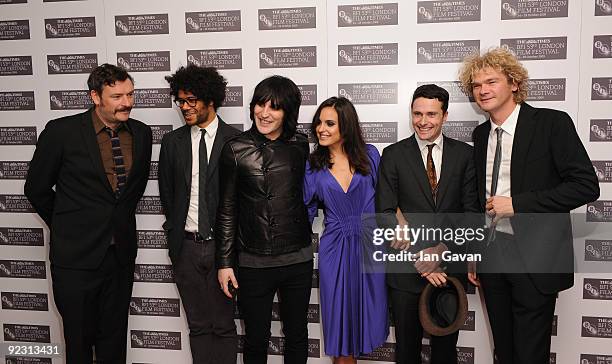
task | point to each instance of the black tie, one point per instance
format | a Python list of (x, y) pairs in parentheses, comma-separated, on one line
[(118, 162), (203, 223), (495, 176)]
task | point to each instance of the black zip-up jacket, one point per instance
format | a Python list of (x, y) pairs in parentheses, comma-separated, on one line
[(261, 208)]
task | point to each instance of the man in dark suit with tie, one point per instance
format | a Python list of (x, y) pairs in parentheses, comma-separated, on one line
[(424, 175), (98, 161), (532, 170), (189, 191)]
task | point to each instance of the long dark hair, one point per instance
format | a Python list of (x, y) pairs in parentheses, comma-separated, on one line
[(353, 144), (283, 94)]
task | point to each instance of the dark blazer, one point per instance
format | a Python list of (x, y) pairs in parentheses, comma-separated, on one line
[(403, 183), (83, 213), (550, 173), (175, 180)]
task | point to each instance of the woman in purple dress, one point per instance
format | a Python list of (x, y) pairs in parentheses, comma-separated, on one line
[(341, 176)]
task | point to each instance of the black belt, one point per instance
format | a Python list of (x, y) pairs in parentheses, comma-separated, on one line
[(196, 237)]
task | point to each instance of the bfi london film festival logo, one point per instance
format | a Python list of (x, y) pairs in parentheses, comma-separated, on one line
[(213, 21), (152, 61), (385, 352), (34, 269), (17, 236), (546, 89), (288, 57), (70, 27), (153, 273), (358, 15), (27, 333), (376, 54), (369, 93), (276, 346), (15, 203), (149, 205), (71, 63), (14, 170), (144, 24), (601, 130), (145, 339), (30, 359), (308, 94), (602, 46), (24, 301), (313, 314), (448, 11), (379, 132), (603, 7), (69, 100), (155, 306), (148, 98), (453, 88), (154, 170), (17, 135), (596, 327), (601, 88), (465, 355), (17, 101), (159, 131), (305, 128), (597, 289), (151, 239), (460, 129), (223, 59), (234, 96), (595, 359), (14, 29), (532, 9), (598, 250), (599, 211), (6, 2), (543, 48), (287, 18), (603, 170), (446, 51), (15, 65)]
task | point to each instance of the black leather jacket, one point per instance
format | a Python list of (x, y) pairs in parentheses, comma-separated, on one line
[(261, 208)]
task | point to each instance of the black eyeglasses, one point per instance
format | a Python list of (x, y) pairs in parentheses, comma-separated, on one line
[(191, 101)]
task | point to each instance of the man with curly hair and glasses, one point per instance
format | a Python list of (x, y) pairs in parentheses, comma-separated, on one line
[(189, 192), (532, 170)]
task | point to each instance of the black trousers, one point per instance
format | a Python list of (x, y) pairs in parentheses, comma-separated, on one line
[(94, 308), (409, 332), (256, 293), (210, 314), (520, 316)]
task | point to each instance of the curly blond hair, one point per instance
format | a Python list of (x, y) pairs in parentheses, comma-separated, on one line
[(500, 59)]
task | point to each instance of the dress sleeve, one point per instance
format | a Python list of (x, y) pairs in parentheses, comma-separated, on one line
[(311, 200), (374, 162)]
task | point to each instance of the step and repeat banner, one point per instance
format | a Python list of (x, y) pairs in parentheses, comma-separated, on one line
[(373, 52)]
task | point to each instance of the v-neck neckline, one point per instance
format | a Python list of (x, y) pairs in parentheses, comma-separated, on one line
[(338, 182)]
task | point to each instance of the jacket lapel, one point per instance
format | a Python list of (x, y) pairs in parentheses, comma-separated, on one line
[(89, 136), (183, 147), (448, 164), (522, 140), (481, 137), (215, 153), (415, 161)]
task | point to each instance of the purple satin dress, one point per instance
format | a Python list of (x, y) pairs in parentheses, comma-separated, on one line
[(353, 303)]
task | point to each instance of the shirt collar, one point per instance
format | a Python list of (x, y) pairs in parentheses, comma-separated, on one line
[(99, 125), (211, 129), (508, 126), (423, 143)]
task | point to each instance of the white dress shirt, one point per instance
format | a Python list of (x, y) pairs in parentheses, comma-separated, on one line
[(211, 131), (436, 153), (503, 182)]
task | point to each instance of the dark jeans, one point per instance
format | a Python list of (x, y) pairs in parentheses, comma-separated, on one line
[(255, 296), (409, 332), (210, 314), (94, 308)]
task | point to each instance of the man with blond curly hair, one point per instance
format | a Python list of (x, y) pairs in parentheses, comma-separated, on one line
[(532, 170)]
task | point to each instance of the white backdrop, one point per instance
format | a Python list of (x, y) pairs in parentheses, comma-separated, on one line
[(374, 52)]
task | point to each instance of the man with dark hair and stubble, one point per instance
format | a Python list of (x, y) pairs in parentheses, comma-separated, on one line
[(429, 177), (87, 174), (189, 192), (263, 227)]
